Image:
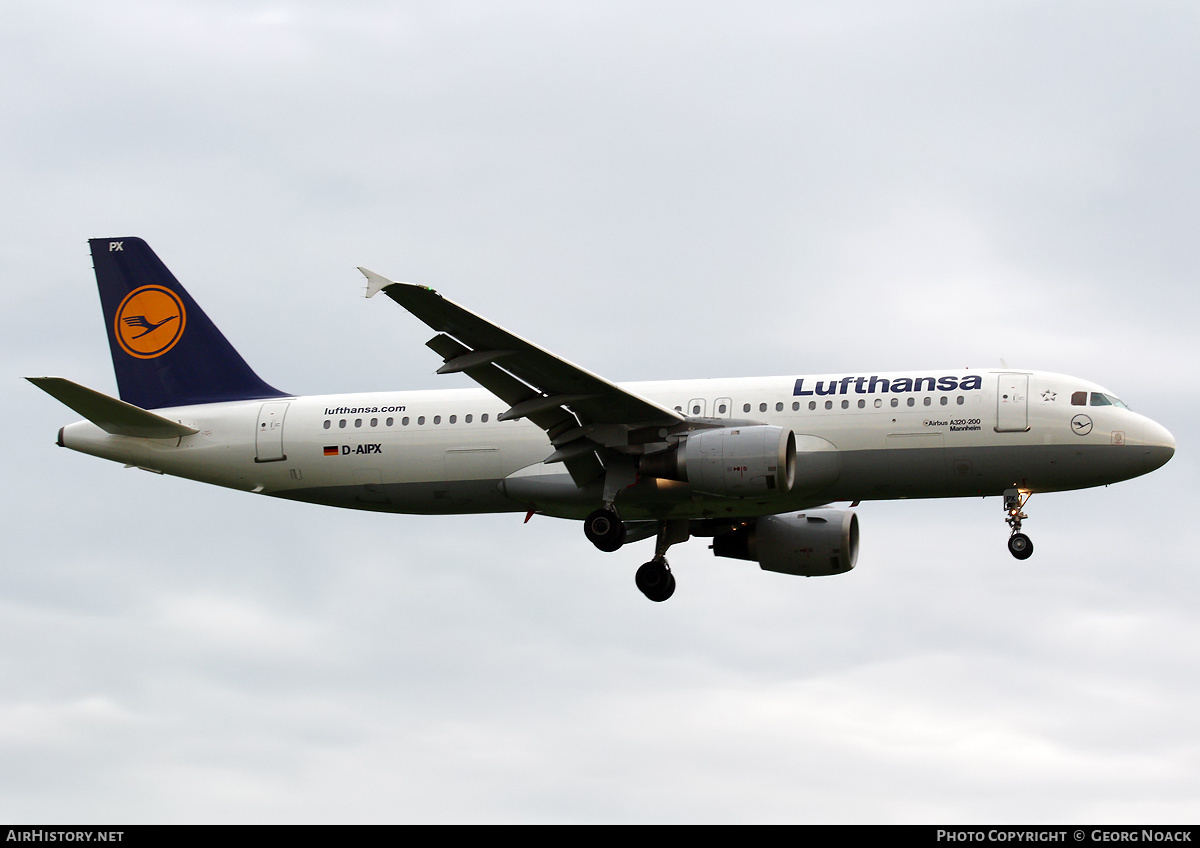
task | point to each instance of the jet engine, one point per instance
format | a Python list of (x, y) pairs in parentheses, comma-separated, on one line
[(735, 462), (813, 543)]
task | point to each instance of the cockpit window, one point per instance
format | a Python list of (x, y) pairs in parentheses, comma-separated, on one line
[(1101, 399), (1079, 399)]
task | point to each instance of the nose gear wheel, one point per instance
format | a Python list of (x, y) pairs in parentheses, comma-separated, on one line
[(1020, 546)]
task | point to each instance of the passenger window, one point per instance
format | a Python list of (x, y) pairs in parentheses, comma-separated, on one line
[(420, 419), (912, 401), (437, 419), (374, 422), (453, 419), (721, 409), (696, 409), (829, 404), (404, 421), (483, 418), (812, 404), (960, 400), (342, 424), (762, 407), (845, 404), (327, 422), (862, 403), (746, 408), (467, 419), (779, 407), (928, 401), (1079, 399), (895, 401), (357, 422), (390, 421), (878, 402)]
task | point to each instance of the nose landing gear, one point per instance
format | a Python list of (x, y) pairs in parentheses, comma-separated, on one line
[(1018, 543)]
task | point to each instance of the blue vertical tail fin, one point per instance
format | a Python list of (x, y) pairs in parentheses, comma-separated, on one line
[(165, 350)]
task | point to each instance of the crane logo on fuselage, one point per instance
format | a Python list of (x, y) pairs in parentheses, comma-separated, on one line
[(149, 321)]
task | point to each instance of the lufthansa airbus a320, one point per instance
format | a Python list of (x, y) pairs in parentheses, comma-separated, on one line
[(755, 464)]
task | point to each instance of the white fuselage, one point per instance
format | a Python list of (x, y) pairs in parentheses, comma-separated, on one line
[(931, 434)]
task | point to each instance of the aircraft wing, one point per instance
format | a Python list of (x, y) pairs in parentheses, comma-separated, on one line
[(578, 409)]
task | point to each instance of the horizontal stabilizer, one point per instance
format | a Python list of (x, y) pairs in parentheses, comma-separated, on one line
[(109, 414)]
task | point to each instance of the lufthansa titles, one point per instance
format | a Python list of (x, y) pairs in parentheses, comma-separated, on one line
[(890, 385)]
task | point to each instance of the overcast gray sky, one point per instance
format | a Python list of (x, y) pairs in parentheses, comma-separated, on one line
[(654, 190)]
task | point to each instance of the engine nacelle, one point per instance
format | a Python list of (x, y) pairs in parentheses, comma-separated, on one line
[(739, 462), (813, 543)]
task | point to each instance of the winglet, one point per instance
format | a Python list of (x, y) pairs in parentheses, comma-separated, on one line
[(375, 283)]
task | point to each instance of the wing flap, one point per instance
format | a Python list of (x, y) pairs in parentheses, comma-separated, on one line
[(501, 383)]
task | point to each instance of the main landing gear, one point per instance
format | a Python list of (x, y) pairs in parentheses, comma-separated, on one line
[(654, 579), (604, 529), (1018, 543)]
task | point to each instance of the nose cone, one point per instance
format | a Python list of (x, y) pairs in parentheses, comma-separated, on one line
[(1158, 444)]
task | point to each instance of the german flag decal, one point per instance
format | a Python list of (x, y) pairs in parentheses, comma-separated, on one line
[(331, 450)]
